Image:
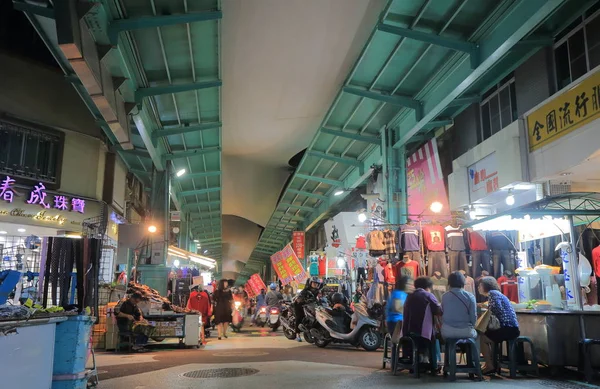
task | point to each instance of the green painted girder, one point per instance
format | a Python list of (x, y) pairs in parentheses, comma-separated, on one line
[(120, 25), (334, 158), (184, 130), (209, 214), (140, 171), (300, 207), (198, 223), (349, 135), (136, 152), (195, 205), (213, 173), (198, 191), (402, 101), (465, 100), (191, 152), (307, 194), (433, 39), (141, 93), (438, 123), (324, 180), (39, 10), (288, 216), (522, 18)]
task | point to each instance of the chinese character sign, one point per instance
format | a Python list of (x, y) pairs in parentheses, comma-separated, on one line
[(277, 260), (298, 242), (293, 264), (38, 196), (425, 182), (483, 178), (571, 110), (257, 283), (6, 190)]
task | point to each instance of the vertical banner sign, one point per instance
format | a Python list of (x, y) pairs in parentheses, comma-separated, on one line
[(293, 264), (257, 283), (279, 265), (298, 242), (483, 178), (425, 182), (249, 290)]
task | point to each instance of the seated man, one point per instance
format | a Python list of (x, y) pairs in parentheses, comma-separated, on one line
[(130, 319)]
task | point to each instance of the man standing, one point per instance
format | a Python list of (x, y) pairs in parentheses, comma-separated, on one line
[(130, 319)]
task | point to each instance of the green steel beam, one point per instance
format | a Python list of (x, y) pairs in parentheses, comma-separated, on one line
[(342, 134), (184, 130), (195, 205), (438, 123), (191, 152), (136, 152), (334, 158), (200, 223), (433, 39), (516, 24), (214, 173), (176, 88), (120, 25), (198, 191), (140, 171), (466, 100), (324, 180), (39, 10), (402, 101), (532, 42), (307, 194)]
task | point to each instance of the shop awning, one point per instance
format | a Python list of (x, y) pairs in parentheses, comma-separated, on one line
[(583, 206), (188, 255)]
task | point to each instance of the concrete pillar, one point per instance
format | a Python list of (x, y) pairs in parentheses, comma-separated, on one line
[(159, 206), (394, 167)]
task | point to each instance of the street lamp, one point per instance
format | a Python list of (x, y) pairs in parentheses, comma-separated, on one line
[(152, 229), (180, 173), (436, 207)]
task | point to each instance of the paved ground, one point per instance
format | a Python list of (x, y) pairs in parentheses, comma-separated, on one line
[(270, 360)]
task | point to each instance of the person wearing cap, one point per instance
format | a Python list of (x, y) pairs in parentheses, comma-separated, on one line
[(274, 296), (200, 301)]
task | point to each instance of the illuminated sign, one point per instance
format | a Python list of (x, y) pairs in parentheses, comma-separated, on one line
[(38, 196)]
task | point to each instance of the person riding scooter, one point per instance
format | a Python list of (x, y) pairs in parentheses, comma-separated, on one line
[(273, 297), (310, 291), (341, 312)]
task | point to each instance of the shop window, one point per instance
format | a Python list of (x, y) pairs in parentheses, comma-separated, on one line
[(499, 108), (30, 153), (577, 50)]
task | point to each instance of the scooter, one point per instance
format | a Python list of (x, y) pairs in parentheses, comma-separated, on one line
[(274, 321), (333, 327), (261, 317), (288, 321), (237, 318)]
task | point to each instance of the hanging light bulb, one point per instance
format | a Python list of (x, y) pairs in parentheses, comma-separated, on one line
[(436, 207), (362, 217), (341, 262), (510, 199), (176, 263), (472, 213)]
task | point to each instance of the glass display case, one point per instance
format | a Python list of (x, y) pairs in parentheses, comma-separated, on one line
[(542, 285)]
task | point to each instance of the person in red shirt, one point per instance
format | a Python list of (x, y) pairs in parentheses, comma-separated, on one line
[(509, 286), (200, 301)]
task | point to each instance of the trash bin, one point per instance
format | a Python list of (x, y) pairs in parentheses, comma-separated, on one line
[(71, 352)]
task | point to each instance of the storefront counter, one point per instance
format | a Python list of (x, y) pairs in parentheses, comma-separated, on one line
[(556, 335)]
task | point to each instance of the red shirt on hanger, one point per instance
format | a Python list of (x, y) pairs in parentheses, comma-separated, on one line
[(361, 242), (389, 275), (509, 288), (434, 238), (322, 265), (410, 269), (596, 261)]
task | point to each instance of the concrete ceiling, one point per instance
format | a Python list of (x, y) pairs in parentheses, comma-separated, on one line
[(282, 64)]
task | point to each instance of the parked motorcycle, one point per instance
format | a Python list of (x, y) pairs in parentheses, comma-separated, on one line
[(261, 317), (310, 321), (237, 317), (288, 320), (274, 321), (362, 329)]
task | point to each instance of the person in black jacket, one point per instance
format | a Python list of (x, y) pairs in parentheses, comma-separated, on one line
[(310, 291), (223, 301)]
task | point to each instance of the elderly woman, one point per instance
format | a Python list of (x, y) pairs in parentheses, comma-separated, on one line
[(503, 310), (460, 310)]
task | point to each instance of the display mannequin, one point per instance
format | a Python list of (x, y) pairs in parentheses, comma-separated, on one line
[(469, 283), (509, 286), (379, 281), (434, 238), (409, 242), (407, 267), (361, 265), (313, 268), (501, 247), (440, 285), (480, 253), (322, 265), (455, 243)]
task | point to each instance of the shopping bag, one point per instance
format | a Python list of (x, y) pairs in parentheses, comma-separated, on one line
[(484, 320)]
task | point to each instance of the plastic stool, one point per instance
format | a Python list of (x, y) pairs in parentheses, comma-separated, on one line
[(586, 355), (473, 367), (411, 362), (387, 341), (515, 360)]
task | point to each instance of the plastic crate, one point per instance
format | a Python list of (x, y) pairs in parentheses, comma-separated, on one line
[(79, 383), (71, 345)]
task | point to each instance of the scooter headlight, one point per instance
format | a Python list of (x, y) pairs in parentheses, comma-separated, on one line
[(274, 311), (237, 304)]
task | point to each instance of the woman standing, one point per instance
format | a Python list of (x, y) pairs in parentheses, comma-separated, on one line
[(223, 300), (503, 310)]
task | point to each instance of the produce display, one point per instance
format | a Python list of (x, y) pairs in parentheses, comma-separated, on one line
[(152, 296)]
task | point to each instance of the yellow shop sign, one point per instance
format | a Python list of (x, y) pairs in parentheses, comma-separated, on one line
[(566, 113)]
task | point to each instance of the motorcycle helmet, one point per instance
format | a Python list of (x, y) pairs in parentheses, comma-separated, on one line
[(337, 298), (273, 286)]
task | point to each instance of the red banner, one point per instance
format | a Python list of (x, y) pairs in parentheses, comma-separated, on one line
[(298, 243), (249, 290), (256, 283), (296, 270), (281, 268)]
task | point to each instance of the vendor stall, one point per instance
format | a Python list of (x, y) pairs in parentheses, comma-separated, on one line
[(560, 321)]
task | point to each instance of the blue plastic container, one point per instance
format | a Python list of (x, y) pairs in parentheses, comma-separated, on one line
[(71, 346), (80, 383)]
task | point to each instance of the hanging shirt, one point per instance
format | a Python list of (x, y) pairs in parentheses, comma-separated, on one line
[(314, 265), (389, 275), (379, 270), (470, 285), (433, 236), (389, 240), (408, 238), (440, 286), (322, 265), (361, 258), (498, 240), (376, 241), (476, 240), (410, 269), (509, 288), (361, 242), (455, 239), (596, 260)]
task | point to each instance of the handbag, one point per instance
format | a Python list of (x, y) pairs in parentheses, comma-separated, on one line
[(487, 321)]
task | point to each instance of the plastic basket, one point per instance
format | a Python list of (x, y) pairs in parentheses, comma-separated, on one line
[(71, 345), (79, 383)]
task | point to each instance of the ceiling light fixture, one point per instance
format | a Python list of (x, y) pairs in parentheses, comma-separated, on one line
[(339, 193), (3, 232), (362, 217), (566, 174), (510, 199), (21, 230), (436, 207), (205, 251), (180, 173), (472, 213), (176, 263), (196, 241), (152, 229)]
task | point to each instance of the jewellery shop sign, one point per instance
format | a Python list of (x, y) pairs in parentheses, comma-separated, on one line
[(36, 206)]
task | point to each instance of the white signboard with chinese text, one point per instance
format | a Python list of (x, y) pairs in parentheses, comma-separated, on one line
[(483, 178)]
